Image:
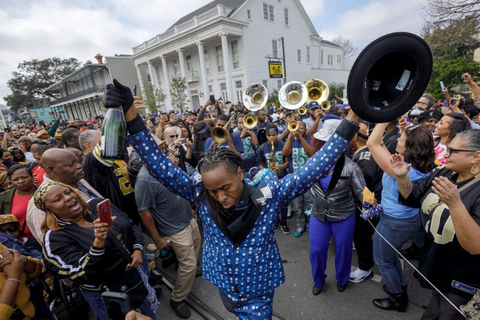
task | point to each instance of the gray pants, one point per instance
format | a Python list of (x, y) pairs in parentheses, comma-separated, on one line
[(299, 204)]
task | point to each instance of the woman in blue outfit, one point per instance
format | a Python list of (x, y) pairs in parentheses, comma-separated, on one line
[(398, 223), (334, 203), (240, 254)]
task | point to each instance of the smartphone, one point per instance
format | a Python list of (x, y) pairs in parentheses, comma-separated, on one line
[(212, 99), (182, 140), (134, 90), (116, 304), (104, 212), (442, 86)]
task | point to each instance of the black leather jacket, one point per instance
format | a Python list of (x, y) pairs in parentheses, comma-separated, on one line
[(338, 202)]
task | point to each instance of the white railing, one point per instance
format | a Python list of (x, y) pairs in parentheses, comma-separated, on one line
[(183, 27)]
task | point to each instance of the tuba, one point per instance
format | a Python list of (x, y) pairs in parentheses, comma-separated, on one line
[(292, 95), (318, 91), (255, 97)]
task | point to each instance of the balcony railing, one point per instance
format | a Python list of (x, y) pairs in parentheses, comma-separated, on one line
[(99, 89), (218, 11)]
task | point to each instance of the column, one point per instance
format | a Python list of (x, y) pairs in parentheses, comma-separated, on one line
[(153, 74), (227, 66), (184, 75), (140, 80), (203, 70), (168, 100)]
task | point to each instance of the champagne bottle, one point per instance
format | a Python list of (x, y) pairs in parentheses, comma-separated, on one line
[(113, 142)]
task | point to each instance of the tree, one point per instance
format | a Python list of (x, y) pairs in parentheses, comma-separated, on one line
[(177, 92), (336, 90), (454, 38), (153, 97), (32, 78), (449, 70), (442, 11), (346, 44), (273, 98)]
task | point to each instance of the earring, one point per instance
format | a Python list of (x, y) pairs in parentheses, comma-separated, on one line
[(474, 170)]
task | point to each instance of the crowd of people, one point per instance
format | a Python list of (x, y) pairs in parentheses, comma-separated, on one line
[(213, 178)]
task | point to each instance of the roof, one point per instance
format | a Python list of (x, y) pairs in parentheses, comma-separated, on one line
[(235, 4), (330, 43)]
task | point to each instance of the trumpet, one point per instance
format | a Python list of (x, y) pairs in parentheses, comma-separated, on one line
[(317, 90), (325, 105), (292, 125), (219, 135), (250, 121), (302, 110), (255, 97), (292, 95)]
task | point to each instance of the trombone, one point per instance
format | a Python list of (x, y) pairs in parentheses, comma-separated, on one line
[(219, 135)]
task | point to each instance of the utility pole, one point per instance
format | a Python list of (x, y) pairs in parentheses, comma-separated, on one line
[(284, 64)]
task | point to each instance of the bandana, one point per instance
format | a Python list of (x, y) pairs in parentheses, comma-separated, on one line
[(272, 131), (204, 129), (39, 196)]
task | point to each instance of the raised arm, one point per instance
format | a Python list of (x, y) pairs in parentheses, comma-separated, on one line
[(467, 78), (378, 150)]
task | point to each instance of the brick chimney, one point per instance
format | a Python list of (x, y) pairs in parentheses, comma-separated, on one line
[(99, 58)]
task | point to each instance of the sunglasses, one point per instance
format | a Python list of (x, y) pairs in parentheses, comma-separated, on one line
[(412, 117), (13, 228), (450, 151), (173, 136)]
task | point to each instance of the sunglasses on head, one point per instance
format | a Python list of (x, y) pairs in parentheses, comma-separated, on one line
[(10, 229)]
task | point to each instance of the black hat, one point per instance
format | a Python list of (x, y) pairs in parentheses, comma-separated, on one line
[(424, 116), (389, 76)]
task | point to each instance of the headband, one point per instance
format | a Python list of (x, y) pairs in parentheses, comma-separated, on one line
[(39, 196), (204, 129)]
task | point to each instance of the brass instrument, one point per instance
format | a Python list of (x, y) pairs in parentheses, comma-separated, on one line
[(219, 135), (271, 163), (255, 97), (292, 125), (318, 91), (250, 121), (292, 95), (302, 110)]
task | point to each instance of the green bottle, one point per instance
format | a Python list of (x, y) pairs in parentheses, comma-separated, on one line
[(113, 144)]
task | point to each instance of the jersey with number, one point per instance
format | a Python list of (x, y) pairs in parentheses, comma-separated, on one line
[(110, 179), (444, 262)]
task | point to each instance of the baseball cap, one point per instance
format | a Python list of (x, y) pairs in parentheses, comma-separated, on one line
[(8, 218), (313, 105)]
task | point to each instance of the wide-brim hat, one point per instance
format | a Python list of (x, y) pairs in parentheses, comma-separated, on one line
[(328, 128), (389, 76)]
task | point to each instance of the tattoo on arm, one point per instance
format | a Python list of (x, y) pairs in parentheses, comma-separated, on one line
[(407, 188)]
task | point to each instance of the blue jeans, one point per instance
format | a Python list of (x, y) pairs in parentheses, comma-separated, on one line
[(397, 231), (299, 204), (259, 307), (320, 234)]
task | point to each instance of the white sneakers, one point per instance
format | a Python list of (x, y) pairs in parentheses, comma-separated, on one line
[(359, 275)]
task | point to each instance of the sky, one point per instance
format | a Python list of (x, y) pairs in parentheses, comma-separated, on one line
[(40, 29)]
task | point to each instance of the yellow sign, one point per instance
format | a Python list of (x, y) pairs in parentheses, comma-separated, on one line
[(275, 69)]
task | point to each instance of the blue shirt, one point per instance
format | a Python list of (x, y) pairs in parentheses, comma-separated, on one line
[(390, 193), (298, 156), (237, 143), (249, 155)]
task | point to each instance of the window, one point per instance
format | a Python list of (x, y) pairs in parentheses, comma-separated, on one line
[(330, 59), (239, 91), (223, 87), (207, 61), (339, 58), (321, 56), (299, 55), (274, 49), (285, 11), (175, 68), (210, 90), (268, 12), (265, 82), (236, 62), (219, 58), (308, 54), (279, 84), (249, 14), (189, 62)]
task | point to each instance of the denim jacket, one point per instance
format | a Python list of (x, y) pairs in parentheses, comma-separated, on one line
[(345, 189), (254, 267)]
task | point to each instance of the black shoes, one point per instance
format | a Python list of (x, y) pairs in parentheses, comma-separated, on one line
[(341, 288), (394, 301), (315, 290), (181, 309)]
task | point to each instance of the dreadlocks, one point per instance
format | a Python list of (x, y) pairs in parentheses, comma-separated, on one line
[(213, 158)]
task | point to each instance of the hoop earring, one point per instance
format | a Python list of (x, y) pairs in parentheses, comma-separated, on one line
[(474, 170)]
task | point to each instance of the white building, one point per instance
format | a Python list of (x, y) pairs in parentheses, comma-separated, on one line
[(80, 94), (224, 46)]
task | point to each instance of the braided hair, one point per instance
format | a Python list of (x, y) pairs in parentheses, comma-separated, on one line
[(213, 158)]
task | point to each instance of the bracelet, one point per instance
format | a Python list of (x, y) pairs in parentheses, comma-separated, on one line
[(14, 280), (158, 239)]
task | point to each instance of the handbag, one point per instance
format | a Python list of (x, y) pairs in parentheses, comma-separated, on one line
[(131, 282)]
